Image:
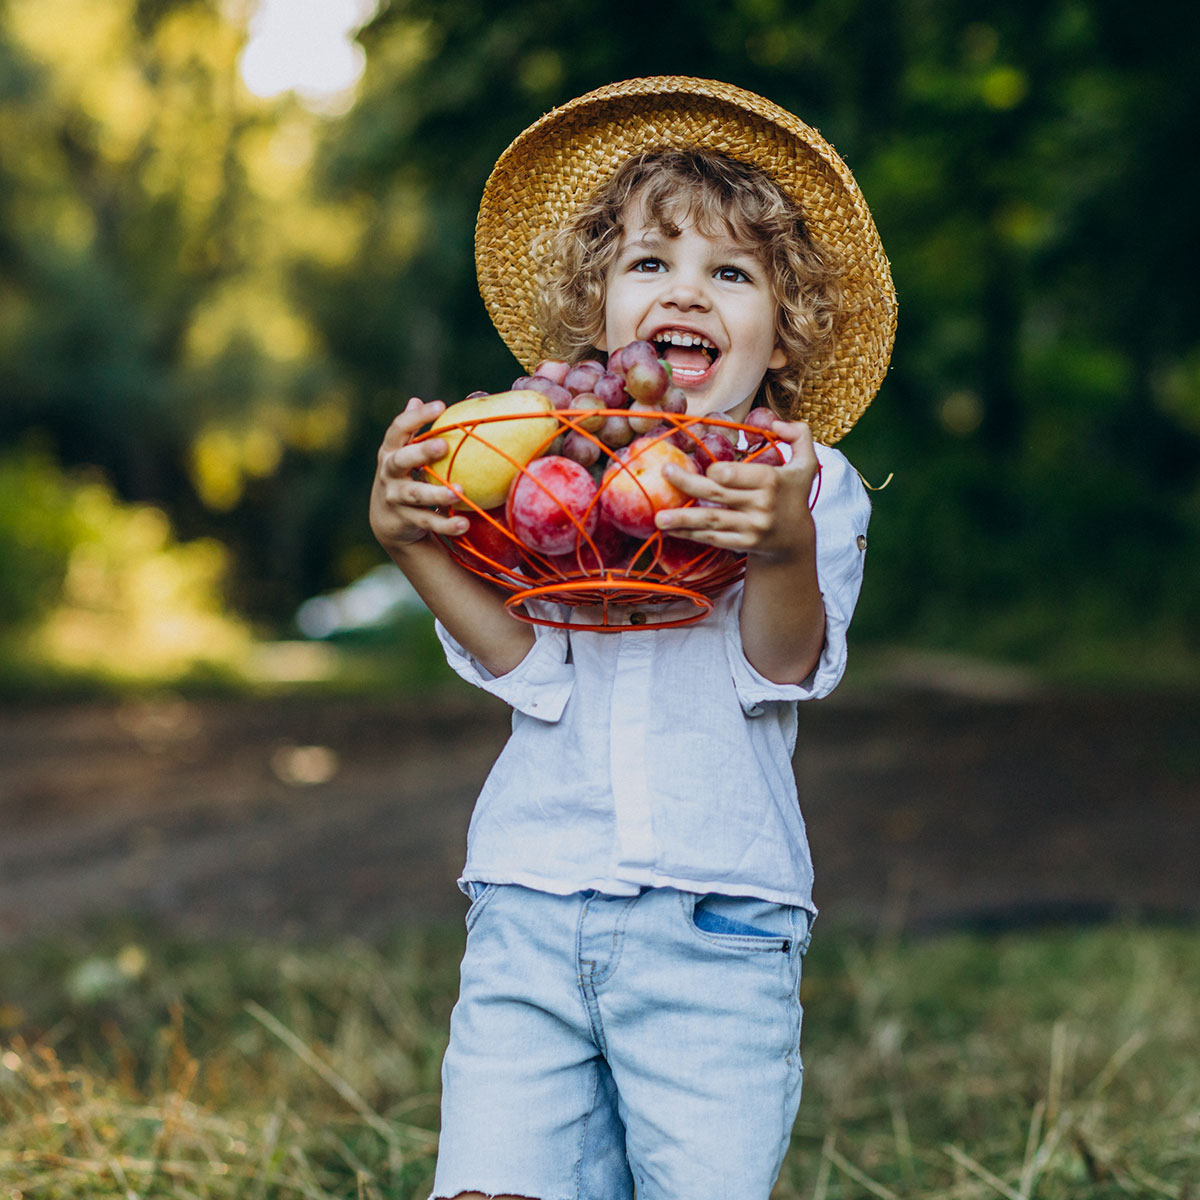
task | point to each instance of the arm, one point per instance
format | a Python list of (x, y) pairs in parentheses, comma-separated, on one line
[(765, 515), (403, 517)]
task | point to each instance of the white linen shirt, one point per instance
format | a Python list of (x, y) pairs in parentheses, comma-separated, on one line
[(661, 758)]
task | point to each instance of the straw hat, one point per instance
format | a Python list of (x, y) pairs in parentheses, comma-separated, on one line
[(559, 160)]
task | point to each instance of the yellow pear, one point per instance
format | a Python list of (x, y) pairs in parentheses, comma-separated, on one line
[(483, 459)]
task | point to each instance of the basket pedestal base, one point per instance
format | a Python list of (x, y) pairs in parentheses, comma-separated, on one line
[(612, 601)]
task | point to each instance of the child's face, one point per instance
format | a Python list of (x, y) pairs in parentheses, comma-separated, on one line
[(697, 288)]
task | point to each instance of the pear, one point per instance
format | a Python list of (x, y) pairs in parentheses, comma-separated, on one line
[(483, 459)]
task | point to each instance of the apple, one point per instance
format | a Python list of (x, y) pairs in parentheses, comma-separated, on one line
[(482, 460), (633, 487), (552, 500), (488, 538)]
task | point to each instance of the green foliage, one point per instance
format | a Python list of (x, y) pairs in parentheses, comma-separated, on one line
[(91, 586), (1058, 1063), (37, 530), (222, 303)]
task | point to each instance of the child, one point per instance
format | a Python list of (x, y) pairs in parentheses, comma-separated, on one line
[(641, 887)]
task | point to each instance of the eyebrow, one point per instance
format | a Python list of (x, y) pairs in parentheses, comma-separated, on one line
[(724, 248)]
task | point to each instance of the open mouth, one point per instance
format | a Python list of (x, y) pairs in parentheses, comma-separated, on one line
[(691, 355)]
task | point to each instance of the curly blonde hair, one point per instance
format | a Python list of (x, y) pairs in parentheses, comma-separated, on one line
[(719, 193)]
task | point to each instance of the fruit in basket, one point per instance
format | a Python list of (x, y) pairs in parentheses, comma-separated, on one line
[(555, 369), (647, 382), (483, 460), (609, 389), (580, 448), (489, 541), (550, 502), (634, 487), (686, 559), (640, 351), (710, 446), (605, 548), (616, 431), (559, 396)]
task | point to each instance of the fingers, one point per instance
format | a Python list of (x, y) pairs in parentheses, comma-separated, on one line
[(416, 413)]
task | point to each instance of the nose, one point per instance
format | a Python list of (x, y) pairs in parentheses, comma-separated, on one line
[(685, 293)]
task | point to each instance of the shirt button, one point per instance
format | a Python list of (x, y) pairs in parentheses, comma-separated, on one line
[(861, 541)]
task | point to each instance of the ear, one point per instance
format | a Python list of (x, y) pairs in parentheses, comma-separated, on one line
[(778, 359)]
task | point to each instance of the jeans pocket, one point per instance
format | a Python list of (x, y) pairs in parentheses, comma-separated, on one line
[(743, 921)]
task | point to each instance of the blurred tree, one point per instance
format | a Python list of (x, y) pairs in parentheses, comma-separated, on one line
[(1042, 412), (149, 207), (223, 302)]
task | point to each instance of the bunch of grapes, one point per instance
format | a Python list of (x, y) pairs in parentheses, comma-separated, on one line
[(621, 400), (628, 397)]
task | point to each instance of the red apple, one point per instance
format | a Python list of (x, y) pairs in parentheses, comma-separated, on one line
[(550, 502), (634, 488), (489, 540)]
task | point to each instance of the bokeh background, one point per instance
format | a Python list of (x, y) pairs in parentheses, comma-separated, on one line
[(235, 237), (235, 773)]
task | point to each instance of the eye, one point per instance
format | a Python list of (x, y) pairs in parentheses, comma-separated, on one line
[(647, 265), (732, 275)]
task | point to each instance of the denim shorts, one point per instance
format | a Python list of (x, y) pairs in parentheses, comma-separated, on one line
[(602, 1043)]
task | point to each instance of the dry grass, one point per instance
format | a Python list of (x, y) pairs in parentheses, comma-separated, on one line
[(1049, 1065)]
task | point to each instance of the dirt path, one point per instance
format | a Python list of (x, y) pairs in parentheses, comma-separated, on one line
[(927, 801)]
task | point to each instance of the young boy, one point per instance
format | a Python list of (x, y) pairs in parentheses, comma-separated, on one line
[(641, 887)]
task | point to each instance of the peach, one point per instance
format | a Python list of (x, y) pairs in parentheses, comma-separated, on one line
[(550, 502), (634, 488)]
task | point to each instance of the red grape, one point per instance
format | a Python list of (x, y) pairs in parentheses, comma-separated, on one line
[(770, 456), (646, 381), (555, 369), (580, 448), (583, 402), (644, 417), (582, 378), (712, 447), (621, 360), (558, 395), (610, 389), (674, 400), (616, 432)]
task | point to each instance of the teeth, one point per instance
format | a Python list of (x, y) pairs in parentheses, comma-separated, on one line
[(677, 338)]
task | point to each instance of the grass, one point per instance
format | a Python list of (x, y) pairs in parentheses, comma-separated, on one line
[(1052, 1064)]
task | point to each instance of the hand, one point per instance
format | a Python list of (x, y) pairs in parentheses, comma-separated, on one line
[(402, 507), (760, 509)]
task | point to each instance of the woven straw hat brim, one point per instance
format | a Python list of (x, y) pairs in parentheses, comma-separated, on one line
[(556, 164)]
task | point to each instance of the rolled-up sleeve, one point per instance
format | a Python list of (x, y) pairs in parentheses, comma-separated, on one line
[(539, 685), (842, 512)]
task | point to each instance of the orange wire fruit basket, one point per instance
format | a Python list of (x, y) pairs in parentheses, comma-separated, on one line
[(584, 536)]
